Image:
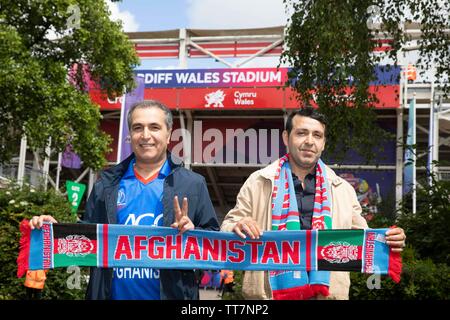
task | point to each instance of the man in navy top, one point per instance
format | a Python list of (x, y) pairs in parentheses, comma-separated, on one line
[(145, 189), (139, 202)]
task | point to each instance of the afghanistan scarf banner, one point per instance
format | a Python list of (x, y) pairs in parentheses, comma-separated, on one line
[(112, 245)]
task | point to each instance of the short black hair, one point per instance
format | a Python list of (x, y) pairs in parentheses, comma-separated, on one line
[(309, 112)]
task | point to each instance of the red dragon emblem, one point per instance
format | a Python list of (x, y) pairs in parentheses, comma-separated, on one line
[(75, 245), (339, 252)]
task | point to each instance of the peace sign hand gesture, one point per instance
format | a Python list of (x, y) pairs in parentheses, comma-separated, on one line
[(182, 221)]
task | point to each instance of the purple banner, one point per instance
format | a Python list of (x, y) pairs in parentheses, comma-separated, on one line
[(70, 159), (131, 98), (242, 77), (202, 78)]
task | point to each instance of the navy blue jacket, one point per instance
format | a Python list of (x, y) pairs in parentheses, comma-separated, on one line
[(101, 208)]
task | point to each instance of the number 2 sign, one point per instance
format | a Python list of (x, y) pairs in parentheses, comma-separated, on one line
[(75, 193)]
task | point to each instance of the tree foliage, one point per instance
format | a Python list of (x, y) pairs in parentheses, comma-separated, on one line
[(330, 45), (16, 204), (40, 41), (425, 272), (428, 229), (421, 279), (433, 18)]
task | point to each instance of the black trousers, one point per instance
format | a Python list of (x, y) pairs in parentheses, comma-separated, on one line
[(33, 294)]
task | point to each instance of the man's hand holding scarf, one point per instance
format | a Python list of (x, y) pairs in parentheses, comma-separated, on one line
[(395, 238), (248, 226)]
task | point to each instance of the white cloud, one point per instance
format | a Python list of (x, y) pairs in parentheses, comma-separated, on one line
[(262, 62), (129, 23), (236, 14)]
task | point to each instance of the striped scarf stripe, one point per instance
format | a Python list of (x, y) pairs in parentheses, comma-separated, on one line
[(285, 216)]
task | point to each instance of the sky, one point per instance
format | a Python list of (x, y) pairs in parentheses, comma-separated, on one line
[(157, 15)]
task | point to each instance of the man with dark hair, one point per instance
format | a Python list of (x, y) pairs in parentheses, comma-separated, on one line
[(145, 189), (298, 191), (306, 112)]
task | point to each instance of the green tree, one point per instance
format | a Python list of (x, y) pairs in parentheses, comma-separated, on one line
[(330, 46), (40, 41), (426, 271), (16, 204), (428, 230)]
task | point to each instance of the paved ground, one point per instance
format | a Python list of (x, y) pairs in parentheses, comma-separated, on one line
[(209, 294)]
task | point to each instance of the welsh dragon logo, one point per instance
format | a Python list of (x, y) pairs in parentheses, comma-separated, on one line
[(75, 246), (215, 99), (339, 252)]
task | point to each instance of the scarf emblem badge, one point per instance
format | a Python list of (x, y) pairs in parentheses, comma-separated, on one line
[(75, 245), (339, 252)]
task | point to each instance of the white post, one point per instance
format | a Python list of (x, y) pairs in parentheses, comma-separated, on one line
[(436, 134), (190, 130), (122, 121), (399, 160), (46, 164), (58, 171), (91, 181), (414, 158), (22, 158), (36, 171), (399, 140), (186, 143), (431, 132), (182, 53)]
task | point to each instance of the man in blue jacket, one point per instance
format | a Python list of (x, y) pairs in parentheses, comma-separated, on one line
[(145, 189)]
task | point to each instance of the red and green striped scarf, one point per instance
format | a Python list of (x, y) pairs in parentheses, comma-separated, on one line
[(296, 285)]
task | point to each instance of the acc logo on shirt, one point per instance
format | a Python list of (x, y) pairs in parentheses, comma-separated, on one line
[(136, 221), (121, 201)]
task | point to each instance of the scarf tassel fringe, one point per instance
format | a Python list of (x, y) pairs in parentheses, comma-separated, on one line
[(395, 266), (24, 251), (301, 293)]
